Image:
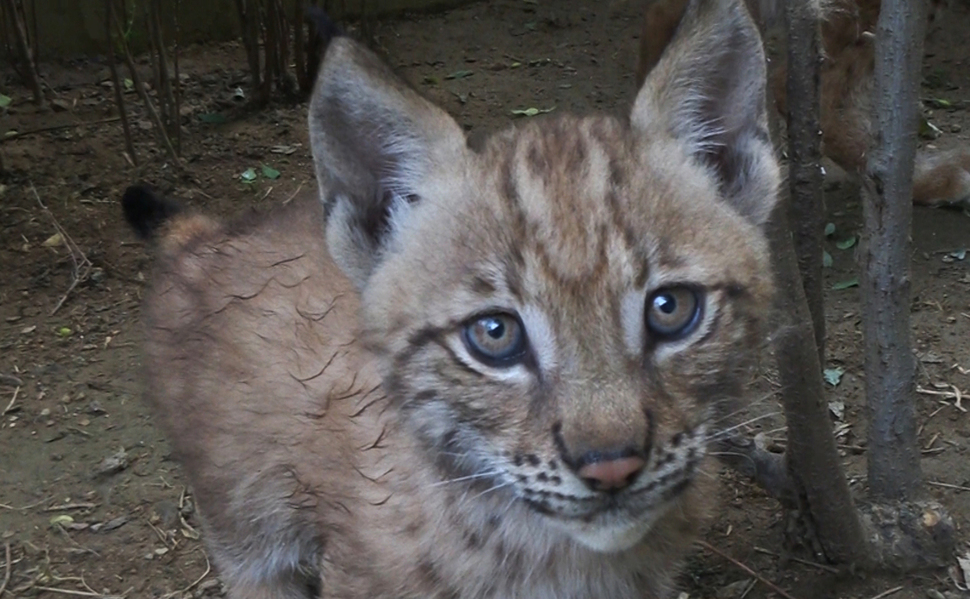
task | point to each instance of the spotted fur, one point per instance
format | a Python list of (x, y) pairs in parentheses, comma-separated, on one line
[(343, 437)]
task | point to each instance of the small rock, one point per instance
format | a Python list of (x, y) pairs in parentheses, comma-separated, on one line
[(95, 408), (166, 512), (733, 590), (112, 464), (110, 524), (60, 105), (956, 128), (45, 412)]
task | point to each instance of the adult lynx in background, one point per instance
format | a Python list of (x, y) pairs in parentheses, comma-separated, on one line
[(846, 87), (458, 373)]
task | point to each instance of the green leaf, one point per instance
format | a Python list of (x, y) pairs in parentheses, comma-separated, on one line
[(5, 101), (459, 74), (833, 376), (829, 229), (248, 175), (64, 332), (129, 85), (928, 130), (846, 243), (533, 111), (845, 284), (826, 259), (939, 103), (431, 80), (270, 172), (213, 118), (61, 519)]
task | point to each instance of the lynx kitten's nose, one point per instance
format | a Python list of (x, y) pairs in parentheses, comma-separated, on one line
[(611, 475)]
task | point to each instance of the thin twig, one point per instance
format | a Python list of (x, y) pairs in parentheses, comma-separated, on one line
[(11, 135), (71, 592), (12, 401), (116, 84), (947, 485), (82, 266), (81, 547), (760, 578), (161, 535), (800, 560), (10, 380), (888, 593), (178, 80), (293, 195), (146, 100), (21, 509), (954, 393), (208, 568), (9, 567), (70, 506)]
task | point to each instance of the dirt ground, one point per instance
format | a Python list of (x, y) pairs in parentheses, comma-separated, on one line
[(91, 503)]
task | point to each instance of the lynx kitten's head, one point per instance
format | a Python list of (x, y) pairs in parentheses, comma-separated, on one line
[(562, 315)]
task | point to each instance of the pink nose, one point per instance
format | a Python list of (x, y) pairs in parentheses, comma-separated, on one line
[(611, 475)]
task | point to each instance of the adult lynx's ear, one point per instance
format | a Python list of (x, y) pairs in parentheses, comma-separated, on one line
[(708, 92), (374, 140)]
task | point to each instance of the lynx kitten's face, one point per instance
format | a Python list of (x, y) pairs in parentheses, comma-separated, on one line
[(574, 296)]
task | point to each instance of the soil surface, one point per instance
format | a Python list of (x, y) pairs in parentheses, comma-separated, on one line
[(91, 503)]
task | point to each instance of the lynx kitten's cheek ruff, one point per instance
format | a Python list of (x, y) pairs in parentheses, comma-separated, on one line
[(473, 374)]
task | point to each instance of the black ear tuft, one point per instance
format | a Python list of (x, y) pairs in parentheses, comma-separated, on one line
[(326, 28), (146, 211)]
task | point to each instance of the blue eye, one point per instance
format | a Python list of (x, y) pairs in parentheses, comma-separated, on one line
[(495, 339), (672, 313)]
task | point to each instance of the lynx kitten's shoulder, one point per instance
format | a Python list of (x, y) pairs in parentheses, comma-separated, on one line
[(474, 374)]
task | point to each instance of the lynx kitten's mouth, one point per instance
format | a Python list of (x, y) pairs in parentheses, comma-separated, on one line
[(613, 520)]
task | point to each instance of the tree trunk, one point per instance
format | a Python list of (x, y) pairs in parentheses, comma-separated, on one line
[(823, 503), (116, 80), (894, 467), (248, 12), (24, 50), (804, 155), (824, 506)]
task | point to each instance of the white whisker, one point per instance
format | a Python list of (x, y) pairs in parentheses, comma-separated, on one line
[(478, 475), (492, 488), (724, 432)]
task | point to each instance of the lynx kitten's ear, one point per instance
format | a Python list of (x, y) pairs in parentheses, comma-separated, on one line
[(708, 92), (374, 141)]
